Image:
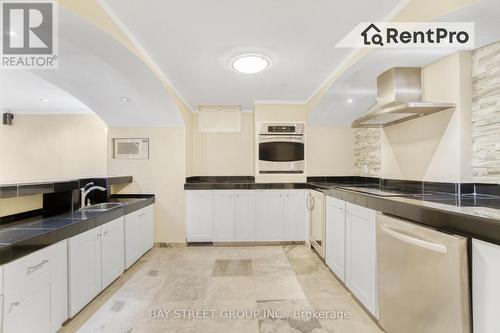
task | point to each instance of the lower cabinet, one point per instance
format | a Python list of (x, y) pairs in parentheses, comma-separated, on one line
[(361, 255), (269, 215), (245, 215), (139, 231), (335, 236), (295, 215), (199, 216), (36, 291), (112, 251), (485, 288), (84, 269), (96, 258), (224, 216)]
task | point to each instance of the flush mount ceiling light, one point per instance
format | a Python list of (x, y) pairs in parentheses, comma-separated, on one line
[(44, 100), (250, 63), (349, 100), (125, 99)]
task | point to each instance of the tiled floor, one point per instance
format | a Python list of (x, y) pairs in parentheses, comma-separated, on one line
[(225, 289)]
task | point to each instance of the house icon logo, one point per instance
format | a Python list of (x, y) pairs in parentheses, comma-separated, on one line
[(371, 35)]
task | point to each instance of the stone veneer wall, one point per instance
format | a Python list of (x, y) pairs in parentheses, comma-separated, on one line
[(486, 113), (367, 151)]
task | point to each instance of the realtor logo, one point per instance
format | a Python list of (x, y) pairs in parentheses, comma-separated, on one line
[(29, 34)]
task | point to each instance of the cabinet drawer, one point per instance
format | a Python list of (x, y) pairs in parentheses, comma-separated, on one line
[(32, 270)]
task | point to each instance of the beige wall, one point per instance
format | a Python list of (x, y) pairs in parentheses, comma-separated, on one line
[(39, 147), (224, 154), (163, 174), (436, 147), (49, 147), (329, 150)]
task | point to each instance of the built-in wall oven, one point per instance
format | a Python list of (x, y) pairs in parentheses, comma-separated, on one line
[(281, 148)]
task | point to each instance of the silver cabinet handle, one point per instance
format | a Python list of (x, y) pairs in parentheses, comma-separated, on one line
[(413, 240), (106, 232), (34, 268), (313, 202), (12, 305)]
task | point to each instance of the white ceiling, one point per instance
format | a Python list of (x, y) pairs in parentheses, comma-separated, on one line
[(22, 91), (94, 72), (359, 81), (192, 42)]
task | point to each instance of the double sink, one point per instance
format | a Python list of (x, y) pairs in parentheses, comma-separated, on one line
[(32, 229)]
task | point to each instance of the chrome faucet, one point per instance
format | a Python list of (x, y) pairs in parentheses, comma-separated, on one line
[(86, 190)]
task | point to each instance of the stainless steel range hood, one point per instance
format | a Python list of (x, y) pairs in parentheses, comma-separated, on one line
[(399, 98)]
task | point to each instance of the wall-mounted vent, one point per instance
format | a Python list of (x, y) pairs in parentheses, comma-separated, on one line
[(219, 119)]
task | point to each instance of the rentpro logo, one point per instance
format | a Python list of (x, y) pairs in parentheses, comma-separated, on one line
[(29, 34), (411, 35)]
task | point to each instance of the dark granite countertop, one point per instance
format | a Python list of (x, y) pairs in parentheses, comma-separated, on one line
[(23, 237), (438, 205)]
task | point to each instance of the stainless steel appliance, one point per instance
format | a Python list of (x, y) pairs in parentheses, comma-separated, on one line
[(422, 279), (399, 98), (315, 203), (281, 148)]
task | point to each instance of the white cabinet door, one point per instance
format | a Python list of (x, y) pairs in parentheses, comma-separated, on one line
[(139, 230), (244, 224), (485, 287), (335, 236), (223, 216), (294, 206), (148, 228), (35, 291), (199, 216), (269, 215), (84, 269), (113, 251), (361, 271)]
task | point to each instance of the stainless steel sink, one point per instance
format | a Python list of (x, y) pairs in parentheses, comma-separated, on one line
[(102, 207)]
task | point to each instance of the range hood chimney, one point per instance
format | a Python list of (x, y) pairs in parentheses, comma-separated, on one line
[(399, 98)]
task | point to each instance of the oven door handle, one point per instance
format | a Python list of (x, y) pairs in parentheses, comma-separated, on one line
[(265, 139)]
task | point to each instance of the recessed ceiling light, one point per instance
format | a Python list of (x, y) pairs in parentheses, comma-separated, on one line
[(125, 99), (349, 100), (12, 33), (44, 100), (250, 63)]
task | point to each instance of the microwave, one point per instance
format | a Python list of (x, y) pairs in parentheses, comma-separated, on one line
[(129, 148)]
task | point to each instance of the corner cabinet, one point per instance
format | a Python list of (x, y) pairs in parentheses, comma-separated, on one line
[(335, 236), (361, 255), (245, 215), (36, 294)]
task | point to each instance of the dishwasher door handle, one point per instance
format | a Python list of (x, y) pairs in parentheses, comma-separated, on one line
[(414, 241)]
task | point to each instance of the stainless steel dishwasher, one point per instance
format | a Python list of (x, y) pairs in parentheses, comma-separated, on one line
[(422, 279)]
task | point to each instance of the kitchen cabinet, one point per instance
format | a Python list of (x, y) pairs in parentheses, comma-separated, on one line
[(335, 236), (35, 298), (361, 258), (224, 216), (245, 215), (199, 216), (485, 287), (113, 251), (244, 224), (269, 215), (294, 215), (85, 278), (139, 231)]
